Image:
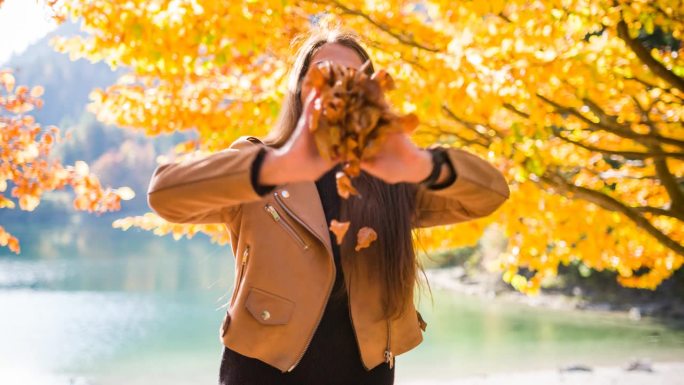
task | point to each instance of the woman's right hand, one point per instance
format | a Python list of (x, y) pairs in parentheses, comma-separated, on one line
[(298, 159)]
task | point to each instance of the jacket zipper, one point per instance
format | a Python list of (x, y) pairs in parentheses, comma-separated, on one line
[(301, 222), (330, 287), (241, 273), (283, 223), (389, 356)]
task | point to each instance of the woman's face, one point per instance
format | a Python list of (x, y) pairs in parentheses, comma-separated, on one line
[(337, 53)]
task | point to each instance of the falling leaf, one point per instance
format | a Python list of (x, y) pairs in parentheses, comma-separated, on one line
[(339, 229), (365, 237), (344, 185)]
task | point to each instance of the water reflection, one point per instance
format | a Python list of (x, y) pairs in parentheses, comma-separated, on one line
[(101, 258), (113, 307)]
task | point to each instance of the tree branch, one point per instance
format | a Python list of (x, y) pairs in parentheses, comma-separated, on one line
[(670, 183), (660, 211), (470, 125), (611, 204), (642, 53), (402, 38), (605, 126), (515, 110), (471, 142), (624, 154), (668, 180), (648, 85)]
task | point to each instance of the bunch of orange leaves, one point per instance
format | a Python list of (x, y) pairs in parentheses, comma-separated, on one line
[(351, 118)]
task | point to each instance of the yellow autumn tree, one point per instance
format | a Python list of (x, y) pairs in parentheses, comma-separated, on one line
[(580, 103)]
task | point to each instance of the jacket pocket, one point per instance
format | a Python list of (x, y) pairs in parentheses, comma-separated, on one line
[(279, 219), (268, 308)]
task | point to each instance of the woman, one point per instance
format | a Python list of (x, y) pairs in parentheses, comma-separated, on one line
[(305, 310)]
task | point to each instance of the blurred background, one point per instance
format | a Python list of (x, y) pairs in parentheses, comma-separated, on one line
[(576, 279)]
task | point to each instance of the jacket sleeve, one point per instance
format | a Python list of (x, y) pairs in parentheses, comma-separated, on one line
[(204, 190), (478, 190)]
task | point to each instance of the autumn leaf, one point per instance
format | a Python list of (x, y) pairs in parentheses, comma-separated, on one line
[(344, 185), (339, 229), (365, 237)]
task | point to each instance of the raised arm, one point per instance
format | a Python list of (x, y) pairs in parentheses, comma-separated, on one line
[(478, 190), (204, 190)]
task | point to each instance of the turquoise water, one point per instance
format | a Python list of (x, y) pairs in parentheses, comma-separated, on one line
[(103, 306)]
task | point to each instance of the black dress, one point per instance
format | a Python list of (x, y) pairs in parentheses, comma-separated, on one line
[(333, 354)]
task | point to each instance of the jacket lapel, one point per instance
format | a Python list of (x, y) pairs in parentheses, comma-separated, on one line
[(302, 201), (304, 204)]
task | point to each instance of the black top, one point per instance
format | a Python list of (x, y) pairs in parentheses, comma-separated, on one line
[(333, 354)]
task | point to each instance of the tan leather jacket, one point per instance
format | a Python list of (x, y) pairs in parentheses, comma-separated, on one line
[(284, 263)]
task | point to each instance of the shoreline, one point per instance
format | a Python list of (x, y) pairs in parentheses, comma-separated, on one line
[(658, 373), (490, 286)]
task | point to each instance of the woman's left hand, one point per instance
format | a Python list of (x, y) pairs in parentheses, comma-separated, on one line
[(399, 160)]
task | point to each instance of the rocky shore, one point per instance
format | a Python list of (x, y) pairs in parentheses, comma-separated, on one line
[(487, 285)]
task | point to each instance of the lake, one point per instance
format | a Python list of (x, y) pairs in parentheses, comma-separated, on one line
[(102, 306)]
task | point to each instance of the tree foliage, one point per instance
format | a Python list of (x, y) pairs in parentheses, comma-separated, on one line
[(580, 103), (27, 166)]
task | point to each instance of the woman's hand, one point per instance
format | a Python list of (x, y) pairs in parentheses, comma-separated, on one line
[(399, 160), (298, 159)]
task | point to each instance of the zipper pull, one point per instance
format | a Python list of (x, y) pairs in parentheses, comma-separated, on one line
[(389, 358), (245, 255), (274, 213)]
